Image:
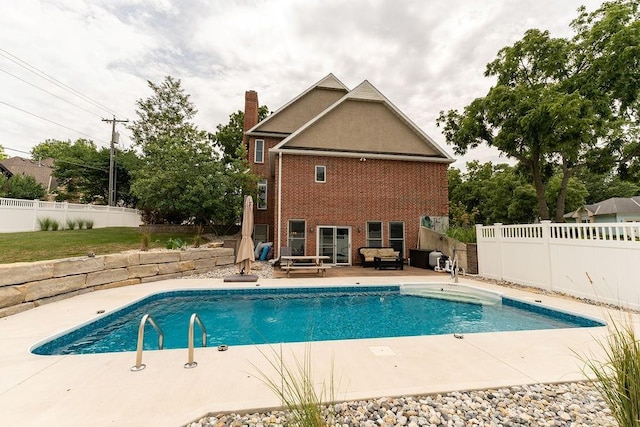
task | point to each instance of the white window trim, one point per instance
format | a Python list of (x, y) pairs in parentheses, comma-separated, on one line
[(255, 151), (324, 173), (367, 238), (262, 184)]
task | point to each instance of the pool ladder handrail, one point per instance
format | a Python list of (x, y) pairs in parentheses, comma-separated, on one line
[(195, 319), (139, 366)]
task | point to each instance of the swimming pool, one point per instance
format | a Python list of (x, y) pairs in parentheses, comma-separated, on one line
[(274, 315)]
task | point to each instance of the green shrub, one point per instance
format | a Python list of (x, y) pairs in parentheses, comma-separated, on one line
[(71, 224), (81, 223), (176, 243), (462, 234), (54, 225), (89, 224)]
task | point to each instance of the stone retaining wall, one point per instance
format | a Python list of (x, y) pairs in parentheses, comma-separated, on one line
[(27, 285)]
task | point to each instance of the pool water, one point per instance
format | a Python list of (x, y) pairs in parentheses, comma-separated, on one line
[(259, 316)]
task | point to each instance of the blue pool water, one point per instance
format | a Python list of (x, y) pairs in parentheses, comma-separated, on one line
[(259, 316)]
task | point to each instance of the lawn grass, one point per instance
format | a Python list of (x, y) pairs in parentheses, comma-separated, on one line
[(43, 245)]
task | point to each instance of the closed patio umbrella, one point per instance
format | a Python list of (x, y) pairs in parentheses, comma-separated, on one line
[(245, 251)]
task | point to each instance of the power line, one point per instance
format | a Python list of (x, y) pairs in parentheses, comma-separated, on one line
[(51, 121), (60, 160), (55, 81), (50, 93)]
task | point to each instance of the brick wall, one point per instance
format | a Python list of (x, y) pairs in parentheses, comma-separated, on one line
[(359, 191), (263, 170)]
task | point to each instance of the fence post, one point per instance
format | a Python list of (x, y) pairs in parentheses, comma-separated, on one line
[(36, 205), (546, 242), (498, 235)]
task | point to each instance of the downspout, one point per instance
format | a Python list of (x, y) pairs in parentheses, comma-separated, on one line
[(279, 202)]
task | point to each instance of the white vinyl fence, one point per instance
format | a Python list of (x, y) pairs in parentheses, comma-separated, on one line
[(23, 215), (599, 261)]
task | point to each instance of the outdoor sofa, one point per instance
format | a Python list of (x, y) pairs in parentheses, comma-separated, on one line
[(380, 257)]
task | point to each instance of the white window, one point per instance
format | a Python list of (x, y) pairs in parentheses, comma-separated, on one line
[(396, 237), (374, 234), (259, 152), (297, 237), (262, 195), (321, 174)]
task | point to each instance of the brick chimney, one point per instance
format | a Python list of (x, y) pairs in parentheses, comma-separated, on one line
[(250, 109)]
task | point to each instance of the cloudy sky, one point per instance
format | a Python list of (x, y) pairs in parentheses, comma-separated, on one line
[(424, 55)]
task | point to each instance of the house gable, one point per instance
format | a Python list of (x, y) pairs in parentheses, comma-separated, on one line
[(364, 122), (303, 108)]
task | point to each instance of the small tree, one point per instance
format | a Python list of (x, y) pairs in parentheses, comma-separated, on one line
[(24, 187)]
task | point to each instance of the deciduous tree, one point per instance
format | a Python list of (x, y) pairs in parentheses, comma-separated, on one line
[(563, 102), (182, 177), (82, 170)]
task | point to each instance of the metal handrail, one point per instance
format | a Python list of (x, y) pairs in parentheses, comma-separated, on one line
[(195, 319), (139, 366)]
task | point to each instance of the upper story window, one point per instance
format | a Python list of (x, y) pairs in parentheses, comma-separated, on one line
[(321, 174), (262, 195), (259, 151)]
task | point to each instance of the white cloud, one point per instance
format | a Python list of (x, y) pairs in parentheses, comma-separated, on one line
[(424, 56)]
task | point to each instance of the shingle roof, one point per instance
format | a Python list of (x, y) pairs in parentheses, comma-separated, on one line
[(616, 205), (41, 170)]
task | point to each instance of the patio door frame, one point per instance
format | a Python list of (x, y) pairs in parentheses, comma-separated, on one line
[(334, 243)]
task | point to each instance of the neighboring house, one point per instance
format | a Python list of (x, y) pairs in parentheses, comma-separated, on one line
[(41, 170), (615, 209), (343, 169)]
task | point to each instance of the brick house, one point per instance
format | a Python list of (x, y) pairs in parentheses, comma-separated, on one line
[(342, 169)]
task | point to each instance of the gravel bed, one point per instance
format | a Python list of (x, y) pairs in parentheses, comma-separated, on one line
[(262, 269), (569, 404), (575, 404)]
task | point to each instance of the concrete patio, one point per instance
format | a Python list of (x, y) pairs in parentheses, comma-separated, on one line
[(100, 389)]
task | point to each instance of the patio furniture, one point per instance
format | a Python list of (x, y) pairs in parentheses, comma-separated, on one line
[(304, 263), (380, 263), (368, 254)]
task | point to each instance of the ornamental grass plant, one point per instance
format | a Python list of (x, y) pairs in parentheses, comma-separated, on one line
[(306, 405), (617, 377)]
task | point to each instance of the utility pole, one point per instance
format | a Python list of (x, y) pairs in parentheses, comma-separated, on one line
[(112, 156)]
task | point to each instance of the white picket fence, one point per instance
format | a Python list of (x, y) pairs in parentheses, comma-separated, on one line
[(597, 261), (23, 215)]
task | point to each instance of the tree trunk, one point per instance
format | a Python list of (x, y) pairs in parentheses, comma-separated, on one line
[(538, 183), (562, 194)]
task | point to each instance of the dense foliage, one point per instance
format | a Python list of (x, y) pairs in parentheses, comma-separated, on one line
[(486, 193), (559, 105), (183, 178), (82, 171), (21, 187)]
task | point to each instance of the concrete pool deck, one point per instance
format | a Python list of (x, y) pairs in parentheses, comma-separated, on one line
[(100, 389)]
